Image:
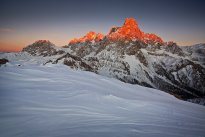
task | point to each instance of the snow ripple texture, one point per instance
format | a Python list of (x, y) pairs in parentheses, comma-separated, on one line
[(55, 101)]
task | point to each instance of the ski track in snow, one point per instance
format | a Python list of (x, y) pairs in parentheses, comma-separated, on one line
[(55, 101)]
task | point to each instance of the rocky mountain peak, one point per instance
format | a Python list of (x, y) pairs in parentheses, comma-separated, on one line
[(130, 21), (152, 37), (89, 37), (129, 31), (42, 48), (42, 41)]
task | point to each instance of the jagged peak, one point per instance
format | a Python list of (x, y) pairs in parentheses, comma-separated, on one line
[(129, 31), (152, 37), (42, 41), (130, 21), (90, 36), (38, 45)]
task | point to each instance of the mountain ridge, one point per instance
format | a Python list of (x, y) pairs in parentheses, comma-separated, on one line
[(129, 31), (147, 62)]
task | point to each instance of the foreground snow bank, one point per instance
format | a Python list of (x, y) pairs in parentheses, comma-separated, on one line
[(54, 101)]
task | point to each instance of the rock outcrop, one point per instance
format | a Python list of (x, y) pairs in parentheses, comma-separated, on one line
[(3, 61), (43, 48)]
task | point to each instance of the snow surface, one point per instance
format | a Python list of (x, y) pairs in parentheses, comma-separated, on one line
[(55, 101)]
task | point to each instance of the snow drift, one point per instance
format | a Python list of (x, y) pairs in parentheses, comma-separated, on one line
[(53, 100)]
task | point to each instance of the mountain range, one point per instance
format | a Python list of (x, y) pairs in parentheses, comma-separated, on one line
[(130, 55)]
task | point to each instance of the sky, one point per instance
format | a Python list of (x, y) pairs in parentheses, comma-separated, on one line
[(22, 22)]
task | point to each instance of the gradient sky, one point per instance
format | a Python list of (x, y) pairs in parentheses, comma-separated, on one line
[(22, 22)]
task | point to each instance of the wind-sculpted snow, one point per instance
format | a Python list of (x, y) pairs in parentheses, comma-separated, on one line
[(55, 101)]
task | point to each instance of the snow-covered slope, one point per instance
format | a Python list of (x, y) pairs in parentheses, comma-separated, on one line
[(55, 101)]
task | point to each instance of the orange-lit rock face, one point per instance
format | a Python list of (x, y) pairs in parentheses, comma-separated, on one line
[(129, 31), (74, 41), (152, 37), (90, 36), (99, 37)]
